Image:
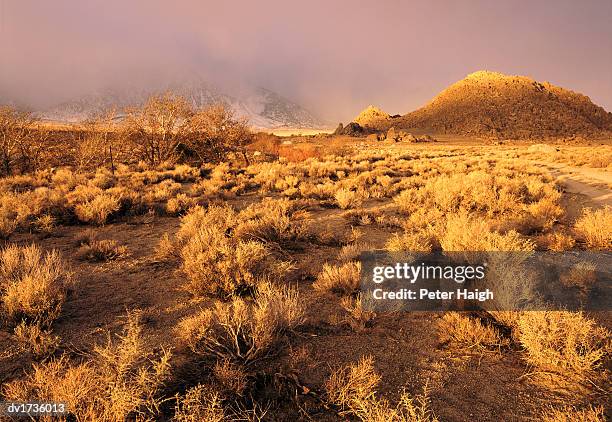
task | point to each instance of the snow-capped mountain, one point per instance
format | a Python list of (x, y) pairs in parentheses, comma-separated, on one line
[(263, 108)]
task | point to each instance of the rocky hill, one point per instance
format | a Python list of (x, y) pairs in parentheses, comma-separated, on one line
[(263, 108), (495, 105), (372, 117)]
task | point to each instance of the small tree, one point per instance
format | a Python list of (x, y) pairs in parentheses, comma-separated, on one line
[(155, 131), (15, 131), (215, 131)]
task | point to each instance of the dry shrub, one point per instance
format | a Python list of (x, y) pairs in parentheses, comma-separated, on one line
[(364, 217), (44, 224), (98, 209), (33, 285), (353, 251), (582, 275), (546, 211), (271, 220), (121, 381), (360, 311), (265, 142), (7, 224), (214, 264), (244, 331), (298, 153), (465, 233), (217, 262), (166, 249), (556, 241), (352, 388), (596, 227), (204, 403), (101, 250), (468, 333), (412, 242), (571, 414), (346, 198), (409, 200), (179, 204), (36, 339), (201, 403), (563, 343), (231, 378), (342, 279)]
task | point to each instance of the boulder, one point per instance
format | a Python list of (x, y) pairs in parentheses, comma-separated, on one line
[(339, 129), (391, 135)]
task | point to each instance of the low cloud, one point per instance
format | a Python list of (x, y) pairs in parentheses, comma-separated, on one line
[(333, 57)]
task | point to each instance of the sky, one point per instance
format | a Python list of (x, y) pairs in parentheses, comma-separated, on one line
[(334, 57)]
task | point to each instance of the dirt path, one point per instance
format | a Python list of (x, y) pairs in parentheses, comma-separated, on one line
[(596, 184)]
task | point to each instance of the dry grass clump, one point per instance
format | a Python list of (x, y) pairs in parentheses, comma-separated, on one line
[(121, 381), (36, 339), (33, 284), (352, 389), (571, 414), (353, 251), (205, 403), (101, 250), (244, 331), (201, 403), (360, 311), (564, 343), (468, 333), (596, 228), (230, 377), (343, 279)]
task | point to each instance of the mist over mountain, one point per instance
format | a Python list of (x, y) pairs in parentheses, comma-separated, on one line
[(263, 108)]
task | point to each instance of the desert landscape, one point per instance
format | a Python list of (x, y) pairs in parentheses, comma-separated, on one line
[(194, 248), (168, 269)]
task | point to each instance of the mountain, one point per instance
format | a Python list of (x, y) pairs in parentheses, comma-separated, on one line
[(492, 104), (263, 108)]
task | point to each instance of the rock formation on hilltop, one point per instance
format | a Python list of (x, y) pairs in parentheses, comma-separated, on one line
[(372, 117), (492, 104)]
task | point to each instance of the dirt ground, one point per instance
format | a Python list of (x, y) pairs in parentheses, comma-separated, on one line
[(463, 386)]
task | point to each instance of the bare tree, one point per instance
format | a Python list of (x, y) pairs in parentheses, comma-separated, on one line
[(155, 131), (15, 130), (93, 145), (34, 150), (215, 131)]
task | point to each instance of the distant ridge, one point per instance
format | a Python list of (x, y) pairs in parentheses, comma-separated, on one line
[(491, 104)]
